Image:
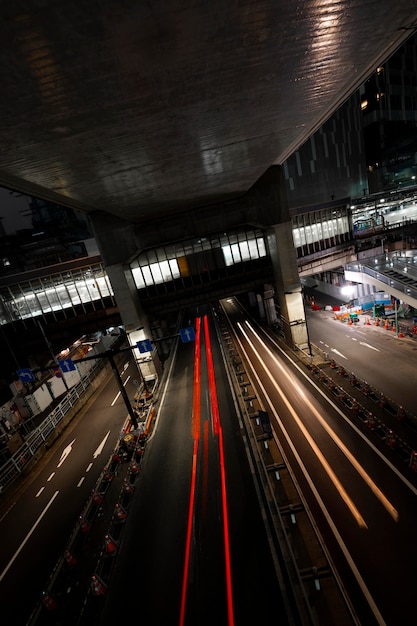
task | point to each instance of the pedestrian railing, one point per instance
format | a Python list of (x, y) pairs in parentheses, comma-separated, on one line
[(14, 466)]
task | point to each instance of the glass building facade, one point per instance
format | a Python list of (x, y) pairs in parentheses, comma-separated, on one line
[(320, 230), (70, 289), (202, 260)]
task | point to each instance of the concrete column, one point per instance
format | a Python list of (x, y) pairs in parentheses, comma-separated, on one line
[(117, 243), (287, 284)]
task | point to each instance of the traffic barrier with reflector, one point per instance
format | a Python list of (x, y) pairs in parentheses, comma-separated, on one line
[(110, 545), (98, 586)]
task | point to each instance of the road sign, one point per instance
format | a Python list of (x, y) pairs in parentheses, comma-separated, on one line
[(144, 346), (187, 334), (26, 375), (67, 365)]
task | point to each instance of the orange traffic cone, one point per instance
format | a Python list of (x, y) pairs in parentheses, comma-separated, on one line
[(97, 497), (386, 325), (368, 323), (98, 586), (48, 601), (371, 421), (120, 513), (134, 468), (128, 488), (84, 524), (391, 442), (110, 545), (70, 558), (377, 322)]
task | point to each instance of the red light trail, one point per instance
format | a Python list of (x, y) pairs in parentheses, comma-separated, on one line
[(217, 431)]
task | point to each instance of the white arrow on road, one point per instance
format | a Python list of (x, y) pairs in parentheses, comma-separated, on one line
[(101, 446), (339, 353), (65, 453), (362, 343)]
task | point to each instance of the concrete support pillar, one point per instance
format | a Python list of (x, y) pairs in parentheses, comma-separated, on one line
[(117, 244), (287, 284)]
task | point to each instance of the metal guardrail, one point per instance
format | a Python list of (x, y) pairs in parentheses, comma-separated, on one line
[(14, 467)]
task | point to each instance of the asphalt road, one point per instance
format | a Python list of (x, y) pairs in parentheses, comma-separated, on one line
[(150, 569), (376, 355), (361, 503), (36, 526), (364, 506)]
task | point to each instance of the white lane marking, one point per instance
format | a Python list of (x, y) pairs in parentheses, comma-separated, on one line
[(89, 466), (81, 481), (368, 345), (360, 434), (126, 381), (26, 539), (50, 477), (101, 446), (364, 475), (335, 531), (115, 400), (39, 492), (339, 353), (66, 451), (326, 466)]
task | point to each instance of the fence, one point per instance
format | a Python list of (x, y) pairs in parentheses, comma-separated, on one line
[(21, 459)]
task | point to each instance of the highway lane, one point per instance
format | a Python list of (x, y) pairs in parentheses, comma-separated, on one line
[(361, 502), (36, 526), (172, 564), (376, 355)]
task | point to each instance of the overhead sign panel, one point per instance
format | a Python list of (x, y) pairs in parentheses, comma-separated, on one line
[(26, 375), (144, 346), (187, 334), (67, 365)]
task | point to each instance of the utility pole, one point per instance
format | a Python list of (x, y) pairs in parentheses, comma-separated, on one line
[(122, 389)]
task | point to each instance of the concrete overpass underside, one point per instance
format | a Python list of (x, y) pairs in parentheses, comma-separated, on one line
[(149, 113)]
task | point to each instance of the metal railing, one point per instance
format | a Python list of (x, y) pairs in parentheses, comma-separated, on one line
[(14, 467)]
